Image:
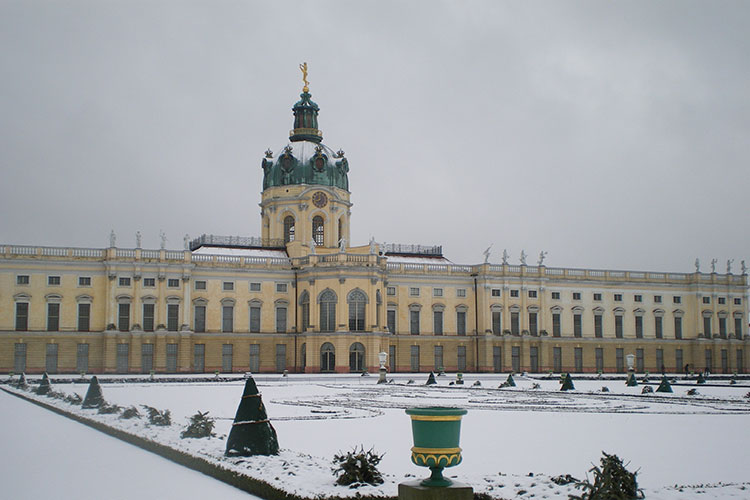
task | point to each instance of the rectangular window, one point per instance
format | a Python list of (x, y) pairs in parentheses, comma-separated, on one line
[(576, 295), (199, 358), (495, 292), (497, 359), (414, 358), (392, 358), (515, 358), (738, 301), (678, 360), (577, 330), (657, 299), (437, 292), (390, 291), (255, 286), (22, 279), (638, 298), (497, 322), (556, 329), (123, 317), (124, 282), (618, 297), (147, 358), (597, 297), (254, 319), (639, 327), (658, 327), (254, 358), (618, 326), (578, 358), (200, 285), (172, 358), (677, 299), (709, 360), (414, 291), (173, 283), (53, 280), (391, 319), (226, 357), (228, 286), (660, 360), (82, 358), (280, 358), (200, 319), (461, 292), (414, 322), (123, 354), (639, 361), (678, 327), (706, 300), (19, 357), (555, 295), (173, 317), (281, 287), (149, 282), (22, 316), (532, 294), (461, 358), (738, 331), (619, 360), (461, 322), (707, 326), (281, 320), (514, 293), (533, 328), (437, 322), (227, 319), (438, 355), (53, 317), (148, 317), (723, 328), (515, 327), (84, 281), (598, 330), (722, 300), (50, 363), (534, 359), (599, 354), (557, 359)]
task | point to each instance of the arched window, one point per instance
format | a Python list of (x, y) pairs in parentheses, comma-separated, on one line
[(317, 229), (327, 358), (327, 302), (305, 304), (357, 300), (288, 229), (356, 357)]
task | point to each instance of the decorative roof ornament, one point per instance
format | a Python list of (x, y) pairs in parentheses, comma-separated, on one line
[(303, 68), (340, 153), (288, 149), (269, 153)]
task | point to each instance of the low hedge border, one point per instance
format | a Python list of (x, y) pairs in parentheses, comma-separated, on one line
[(242, 482)]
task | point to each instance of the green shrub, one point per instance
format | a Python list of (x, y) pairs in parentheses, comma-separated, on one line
[(129, 413), (357, 467), (74, 399), (200, 426), (611, 482), (156, 417), (109, 409)]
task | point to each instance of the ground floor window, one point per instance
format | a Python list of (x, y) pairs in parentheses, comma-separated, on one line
[(619, 360), (356, 358), (254, 358), (639, 365), (19, 357), (740, 361), (557, 359), (147, 358), (280, 357), (51, 358), (82, 358), (438, 358), (227, 352), (534, 359), (497, 359), (461, 358), (392, 358), (724, 361), (171, 358), (709, 360), (515, 354), (660, 360), (415, 358), (199, 358), (578, 358), (327, 358), (599, 353), (678, 359), (123, 354)]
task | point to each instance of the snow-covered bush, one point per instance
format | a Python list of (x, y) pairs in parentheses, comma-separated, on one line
[(605, 388), (129, 413), (692, 392), (156, 417), (74, 399), (647, 389), (200, 426), (611, 482), (357, 467), (109, 409)]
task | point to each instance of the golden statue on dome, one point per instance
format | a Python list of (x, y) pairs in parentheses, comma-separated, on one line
[(303, 68)]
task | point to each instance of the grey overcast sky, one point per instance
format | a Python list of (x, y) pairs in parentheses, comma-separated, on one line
[(610, 134)]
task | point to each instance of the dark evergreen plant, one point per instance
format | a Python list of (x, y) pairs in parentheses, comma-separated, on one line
[(108, 409), (631, 381), (611, 482), (22, 384), (509, 381), (44, 386), (700, 380), (567, 384), (357, 467), (664, 386), (129, 413), (431, 379), (156, 417), (252, 432), (200, 426), (94, 397), (647, 389)]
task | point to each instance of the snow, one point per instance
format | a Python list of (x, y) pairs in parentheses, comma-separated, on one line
[(674, 439), (404, 259), (241, 252)]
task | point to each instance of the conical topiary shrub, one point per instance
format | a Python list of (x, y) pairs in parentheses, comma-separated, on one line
[(700, 380), (21, 384), (567, 384), (509, 382), (431, 379), (631, 381), (665, 386), (252, 433), (94, 397), (44, 386)]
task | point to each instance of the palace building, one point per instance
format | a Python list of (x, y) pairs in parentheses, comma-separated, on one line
[(300, 298)]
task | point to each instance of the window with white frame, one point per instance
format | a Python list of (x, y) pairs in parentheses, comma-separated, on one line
[(84, 281), (414, 291), (123, 281), (281, 287), (437, 292), (228, 286), (53, 280), (200, 284), (495, 292), (22, 279), (390, 290), (461, 292), (173, 283), (255, 286), (149, 282)]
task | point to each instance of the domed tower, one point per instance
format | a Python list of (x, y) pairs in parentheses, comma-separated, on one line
[(305, 197)]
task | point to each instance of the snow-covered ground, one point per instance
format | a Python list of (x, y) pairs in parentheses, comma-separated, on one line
[(674, 439)]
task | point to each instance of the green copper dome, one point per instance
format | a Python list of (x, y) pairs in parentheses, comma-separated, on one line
[(305, 160)]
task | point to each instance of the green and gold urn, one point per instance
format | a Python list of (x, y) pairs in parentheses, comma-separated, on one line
[(437, 432)]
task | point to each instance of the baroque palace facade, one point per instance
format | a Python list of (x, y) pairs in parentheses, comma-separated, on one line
[(300, 298)]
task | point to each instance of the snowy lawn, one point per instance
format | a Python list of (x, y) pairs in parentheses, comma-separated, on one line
[(513, 439)]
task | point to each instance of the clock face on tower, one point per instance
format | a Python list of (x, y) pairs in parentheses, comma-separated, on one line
[(319, 199)]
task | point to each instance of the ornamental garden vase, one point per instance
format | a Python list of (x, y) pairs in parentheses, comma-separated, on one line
[(436, 432)]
